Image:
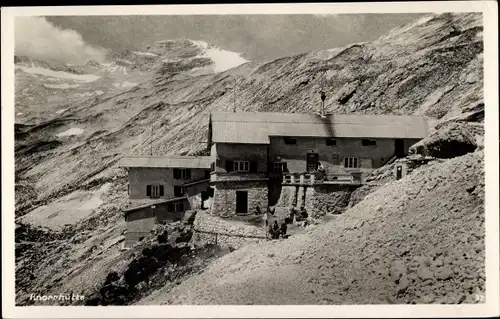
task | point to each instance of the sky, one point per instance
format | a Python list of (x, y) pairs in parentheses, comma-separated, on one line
[(77, 39)]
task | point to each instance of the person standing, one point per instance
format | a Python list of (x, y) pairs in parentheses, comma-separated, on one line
[(283, 230), (276, 230), (266, 223)]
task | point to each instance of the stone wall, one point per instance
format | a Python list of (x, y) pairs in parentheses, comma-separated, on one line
[(224, 203), (288, 197), (209, 229), (328, 199), (318, 200)]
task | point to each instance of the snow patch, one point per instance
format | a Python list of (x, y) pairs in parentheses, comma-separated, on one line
[(98, 92), (145, 53), (169, 60), (68, 209), (70, 132), (60, 111), (61, 86), (223, 59), (125, 61), (19, 113), (124, 85), (59, 74)]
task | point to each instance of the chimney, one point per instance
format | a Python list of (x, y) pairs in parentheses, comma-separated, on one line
[(323, 97)]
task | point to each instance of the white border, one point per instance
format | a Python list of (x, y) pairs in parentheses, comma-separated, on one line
[(490, 308)]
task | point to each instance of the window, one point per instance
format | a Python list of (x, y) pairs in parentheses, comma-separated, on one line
[(212, 167), (178, 191), (331, 142), (351, 162), (290, 140), (177, 173), (241, 166), (368, 142), (154, 191), (182, 173), (279, 167)]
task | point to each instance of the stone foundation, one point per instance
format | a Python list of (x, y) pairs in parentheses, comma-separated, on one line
[(329, 199), (318, 200), (209, 229), (224, 203)]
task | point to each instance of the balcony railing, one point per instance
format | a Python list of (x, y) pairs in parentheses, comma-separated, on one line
[(321, 178), (303, 178)]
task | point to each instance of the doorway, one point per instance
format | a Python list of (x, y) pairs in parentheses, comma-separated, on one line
[(241, 202), (312, 162), (399, 172), (399, 147)]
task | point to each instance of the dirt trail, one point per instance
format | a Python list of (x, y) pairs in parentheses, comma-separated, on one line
[(416, 240)]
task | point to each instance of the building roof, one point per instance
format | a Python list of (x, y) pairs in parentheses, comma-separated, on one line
[(258, 127), (151, 203), (168, 161)]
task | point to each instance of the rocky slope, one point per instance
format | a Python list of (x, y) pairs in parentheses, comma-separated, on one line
[(45, 90), (431, 67), (416, 240)]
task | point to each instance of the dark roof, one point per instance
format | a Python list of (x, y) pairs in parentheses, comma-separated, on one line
[(197, 182), (257, 127), (158, 202), (168, 161)]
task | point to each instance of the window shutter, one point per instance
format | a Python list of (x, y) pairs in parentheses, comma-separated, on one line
[(188, 174), (253, 166), (229, 165), (148, 190), (285, 168), (161, 190), (177, 173)]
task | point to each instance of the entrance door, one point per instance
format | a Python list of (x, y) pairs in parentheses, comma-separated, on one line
[(241, 202), (312, 162), (399, 148), (399, 172)]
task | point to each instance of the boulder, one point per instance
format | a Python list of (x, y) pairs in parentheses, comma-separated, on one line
[(455, 139)]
